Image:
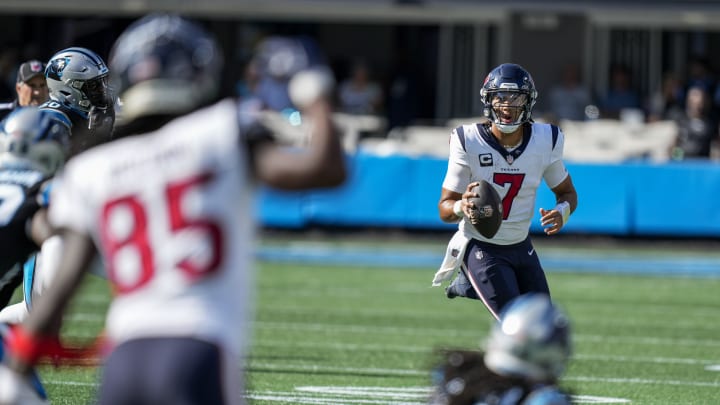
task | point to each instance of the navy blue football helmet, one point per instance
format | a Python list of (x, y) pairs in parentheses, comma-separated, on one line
[(531, 340), (509, 85), (164, 64), (283, 57)]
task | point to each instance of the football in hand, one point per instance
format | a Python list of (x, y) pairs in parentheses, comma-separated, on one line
[(487, 215)]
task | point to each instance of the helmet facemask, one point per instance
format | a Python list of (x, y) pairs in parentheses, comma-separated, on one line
[(508, 109), (96, 91)]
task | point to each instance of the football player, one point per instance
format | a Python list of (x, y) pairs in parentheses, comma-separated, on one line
[(513, 154), (80, 100), (524, 357), (168, 205), (32, 148), (80, 97)]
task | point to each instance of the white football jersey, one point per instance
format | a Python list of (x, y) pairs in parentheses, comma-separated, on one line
[(475, 154), (171, 214)]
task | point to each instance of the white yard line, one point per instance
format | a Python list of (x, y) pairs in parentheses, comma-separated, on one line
[(432, 330), (430, 349)]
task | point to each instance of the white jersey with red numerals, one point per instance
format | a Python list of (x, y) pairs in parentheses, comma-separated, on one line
[(475, 154), (171, 214)]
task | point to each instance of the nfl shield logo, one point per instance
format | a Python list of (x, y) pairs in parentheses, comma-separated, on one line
[(510, 159)]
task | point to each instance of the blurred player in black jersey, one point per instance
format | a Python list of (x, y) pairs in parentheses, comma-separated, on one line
[(33, 148), (80, 101)]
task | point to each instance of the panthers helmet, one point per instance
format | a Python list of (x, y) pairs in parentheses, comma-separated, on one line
[(531, 340), (515, 88), (164, 64), (78, 79), (29, 137)]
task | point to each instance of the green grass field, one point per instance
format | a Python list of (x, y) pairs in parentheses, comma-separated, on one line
[(366, 335)]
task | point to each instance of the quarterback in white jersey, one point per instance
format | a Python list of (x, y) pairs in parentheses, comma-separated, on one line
[(514, 155), (168, 206)]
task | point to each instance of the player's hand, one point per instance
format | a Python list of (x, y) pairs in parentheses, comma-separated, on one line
[(310, 86), (16, 389), (468, 206), (551, 221)]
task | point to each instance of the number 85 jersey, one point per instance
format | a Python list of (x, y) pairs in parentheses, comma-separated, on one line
[(170, 212)]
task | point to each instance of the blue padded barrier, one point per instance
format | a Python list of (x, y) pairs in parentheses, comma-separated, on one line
[(280, 209), (680, 199), (634, 199), (605, 203)]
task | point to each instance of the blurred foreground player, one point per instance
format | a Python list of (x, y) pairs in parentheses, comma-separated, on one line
[(168, 205), (32, 148), (80, 100), (525, 355)]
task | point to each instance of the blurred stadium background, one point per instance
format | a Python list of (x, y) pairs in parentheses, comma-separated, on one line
[(429, 58), (646, 215)]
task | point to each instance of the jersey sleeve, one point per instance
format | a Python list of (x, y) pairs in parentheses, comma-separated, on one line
[(556, 171), (458, 172), (68, 208)]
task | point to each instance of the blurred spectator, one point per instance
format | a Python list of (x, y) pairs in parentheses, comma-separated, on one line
[(402, 101), (569, 98), (247, 86), (667, 101), (697, 129), (700, 75), (358, 94), (31, 87), (620, 94)]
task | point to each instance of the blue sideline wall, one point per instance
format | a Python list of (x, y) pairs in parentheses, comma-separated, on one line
[(632, 199)]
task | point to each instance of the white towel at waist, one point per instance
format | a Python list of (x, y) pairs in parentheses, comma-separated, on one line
[(453, 258)]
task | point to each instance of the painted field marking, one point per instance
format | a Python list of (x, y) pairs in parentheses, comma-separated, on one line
[(643, 381), (382, 395), (385, 371), (439, 332), (430, 349)]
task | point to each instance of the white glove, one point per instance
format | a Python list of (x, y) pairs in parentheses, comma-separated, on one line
[(309, 85), (16, 389)]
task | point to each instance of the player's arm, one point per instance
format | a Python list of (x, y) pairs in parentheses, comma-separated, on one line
[(40, 228), (453, 206), (322, 163), (566, 198), (43, 323)]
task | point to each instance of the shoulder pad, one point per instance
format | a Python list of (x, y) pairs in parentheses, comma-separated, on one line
[(56, 113), (461, 136)]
